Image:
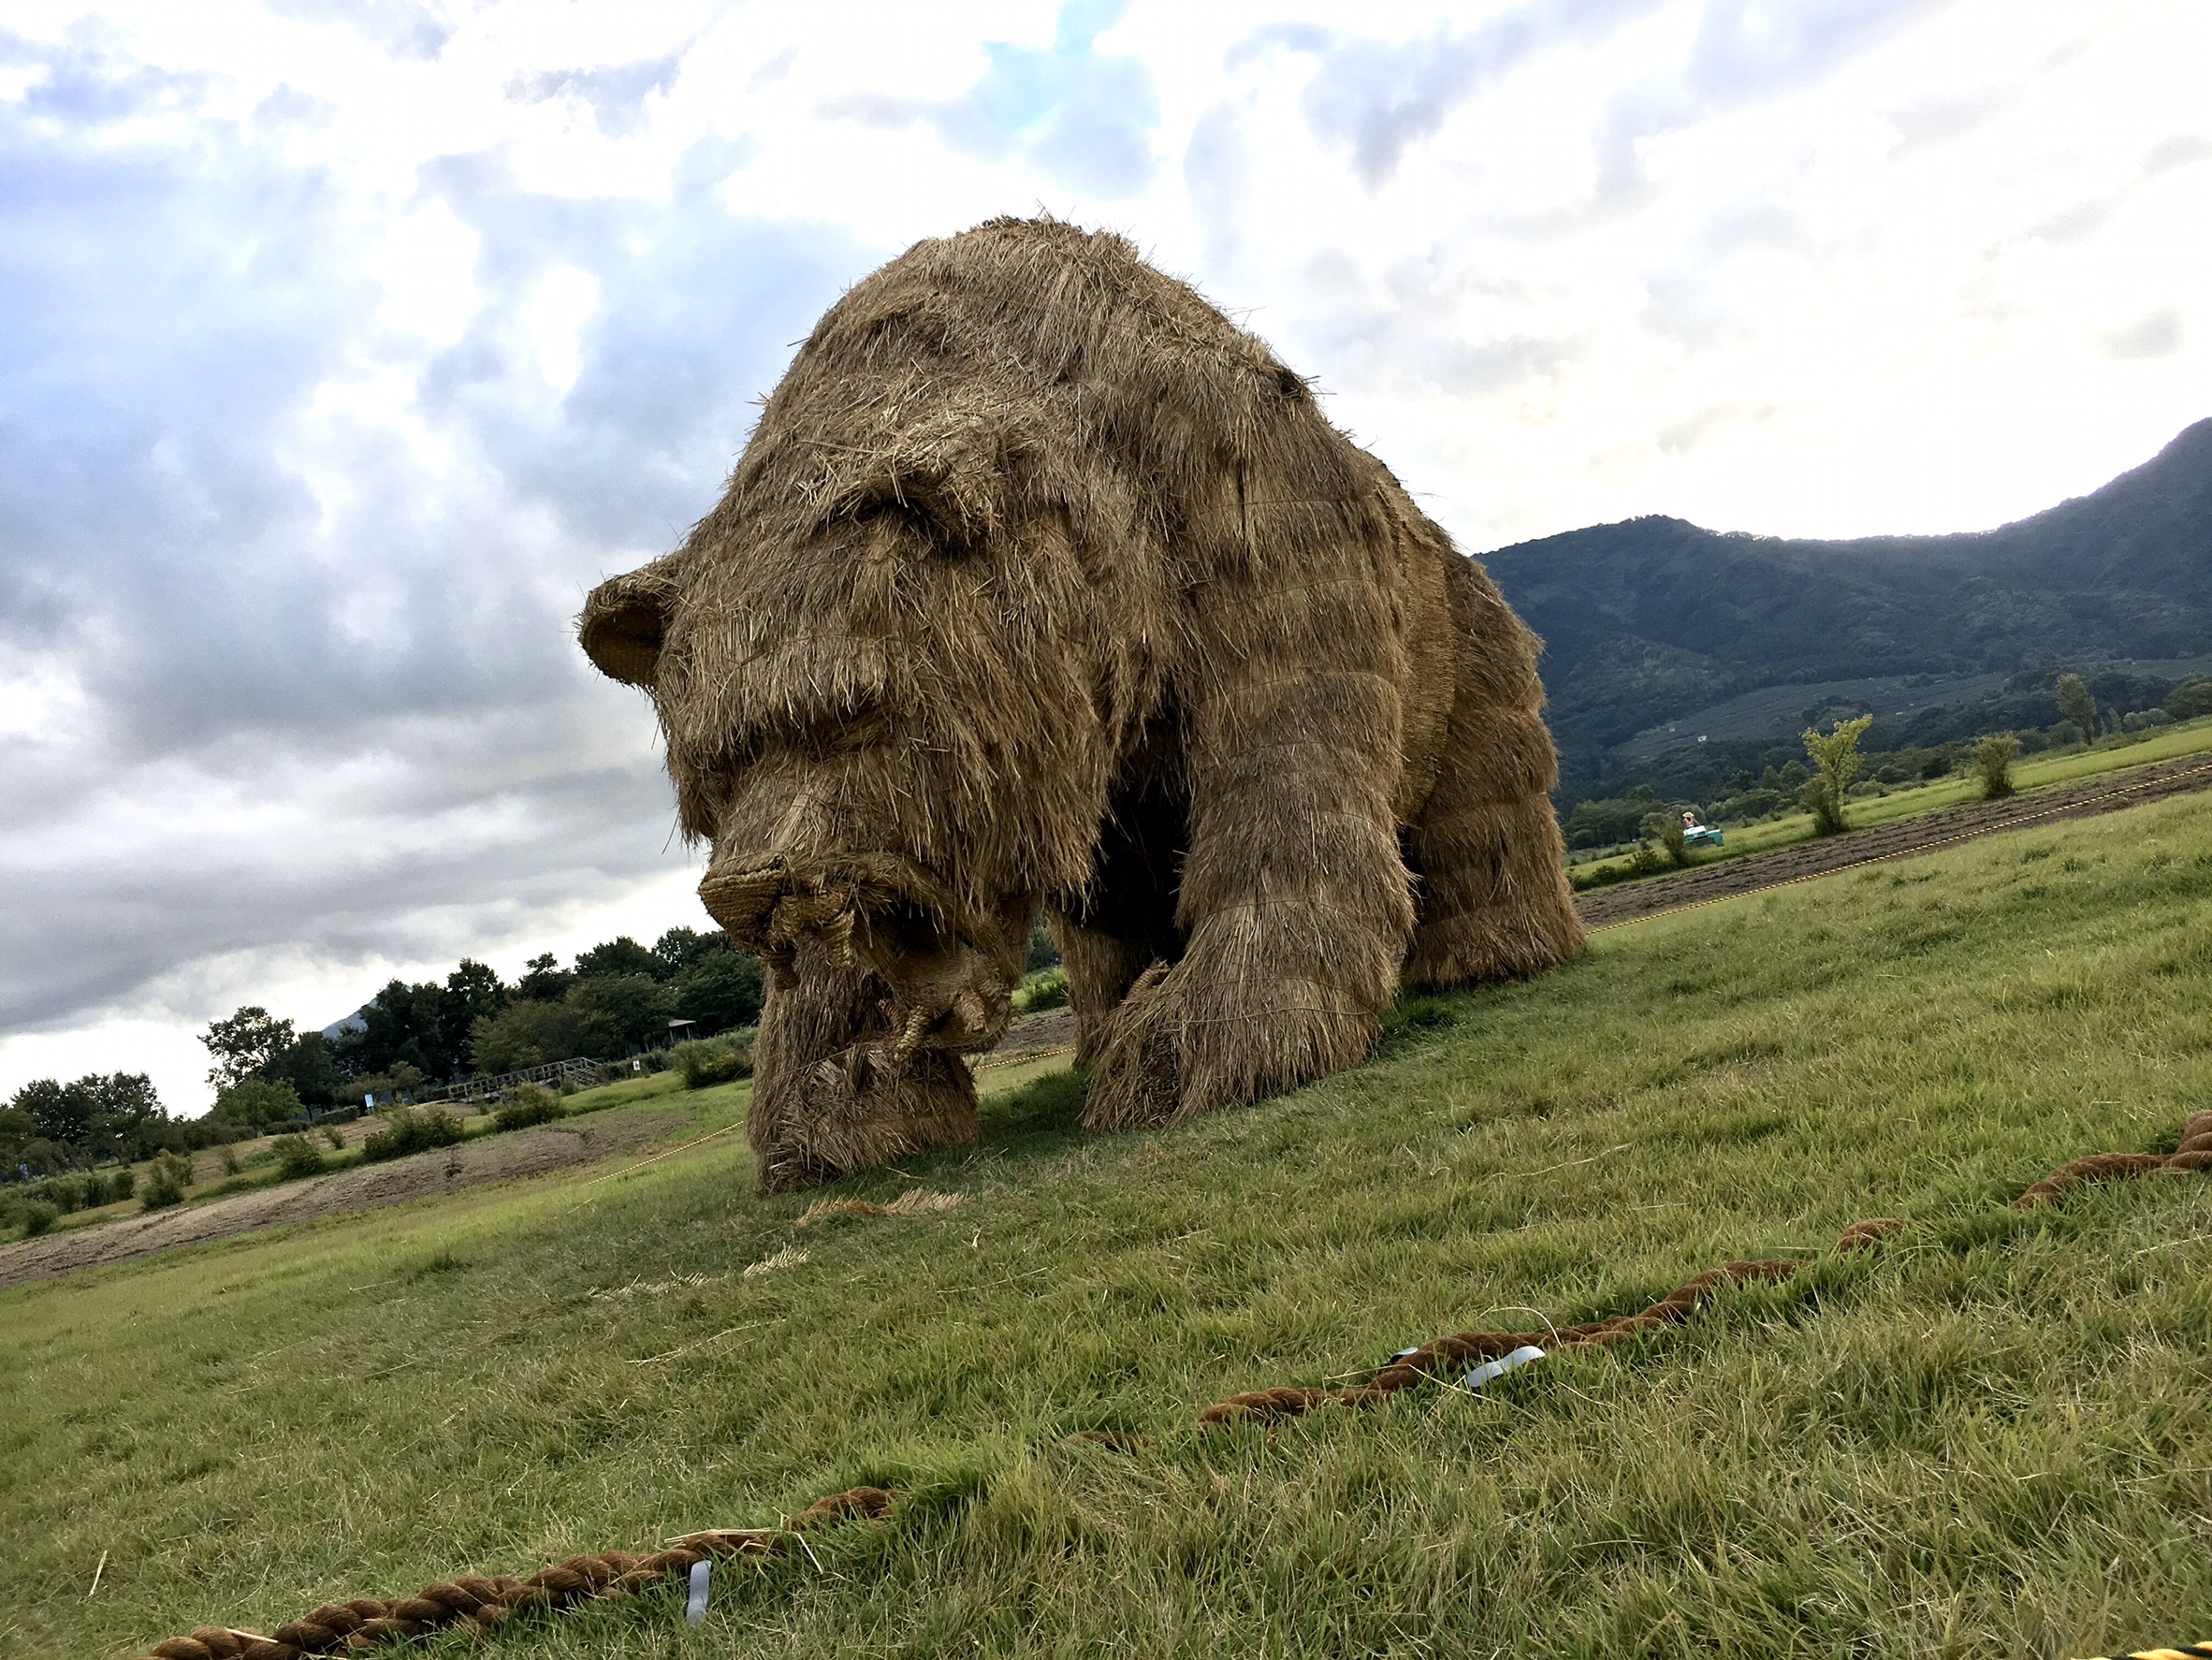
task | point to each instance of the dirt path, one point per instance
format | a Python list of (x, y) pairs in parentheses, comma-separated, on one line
[(492, 1158), (1028, 1036), (1897, 840)]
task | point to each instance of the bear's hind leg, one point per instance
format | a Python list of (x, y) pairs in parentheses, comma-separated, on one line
[(1493, 898)]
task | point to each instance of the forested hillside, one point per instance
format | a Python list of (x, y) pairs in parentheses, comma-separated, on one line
[(1656, 617)]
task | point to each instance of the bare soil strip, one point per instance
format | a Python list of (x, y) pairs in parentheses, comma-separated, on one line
[(1900, 838), (1030, 1036), (446, 1170)]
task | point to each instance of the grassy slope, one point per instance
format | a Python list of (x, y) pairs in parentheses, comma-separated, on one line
[(1993, 1438), (256, 1176), (2193, 737)]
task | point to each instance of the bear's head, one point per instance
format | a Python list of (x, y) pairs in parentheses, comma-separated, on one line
[(894, 678)]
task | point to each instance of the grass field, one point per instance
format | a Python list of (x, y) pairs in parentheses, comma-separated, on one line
[(2193, 737), (1992, 1437)]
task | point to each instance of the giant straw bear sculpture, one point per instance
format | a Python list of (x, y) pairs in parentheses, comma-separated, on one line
[(1041, 583)]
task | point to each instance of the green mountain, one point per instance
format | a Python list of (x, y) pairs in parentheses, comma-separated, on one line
[(1653, 620)]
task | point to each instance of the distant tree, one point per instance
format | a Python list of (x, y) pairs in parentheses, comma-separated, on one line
[(254, 1103), (621, 955), (426, 1026), (1993, 761), (471, 992), (244, 1045), (53, 1125), (398, 1024), (311, 1068), (62, 1113), (722, 989), (254, 1044), (2077, 706), (1044, 952), (527, 1033), (621, 1012), (547, 981), (683, 948), (1837, 760), (18, 1131), (127, 1115), (2190, 699)]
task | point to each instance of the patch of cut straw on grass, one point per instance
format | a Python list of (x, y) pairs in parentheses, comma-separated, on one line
[(789, 1257), (914, 1202), (658, 1288)]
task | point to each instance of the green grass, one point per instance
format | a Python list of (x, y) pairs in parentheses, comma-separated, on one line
[(1993, 1438), (2169, 742)]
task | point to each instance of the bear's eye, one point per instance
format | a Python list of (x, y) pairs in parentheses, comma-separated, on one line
[(910, 517)]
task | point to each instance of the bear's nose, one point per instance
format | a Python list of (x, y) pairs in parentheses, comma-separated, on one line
[(768, 906)]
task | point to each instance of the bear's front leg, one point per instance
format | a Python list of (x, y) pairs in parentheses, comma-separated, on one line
[(1295, 903), (834, 1090)]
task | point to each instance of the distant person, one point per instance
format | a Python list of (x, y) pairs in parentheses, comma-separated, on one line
[(1690, 820)]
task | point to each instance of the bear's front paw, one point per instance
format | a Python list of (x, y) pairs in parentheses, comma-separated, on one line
[(1138, 1080)]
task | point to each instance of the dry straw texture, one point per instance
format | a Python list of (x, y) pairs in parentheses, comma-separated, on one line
[(1040, 581)]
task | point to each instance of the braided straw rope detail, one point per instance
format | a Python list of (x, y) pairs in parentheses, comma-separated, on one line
[(476, 1604), (482, 1604), (1447, 1357)]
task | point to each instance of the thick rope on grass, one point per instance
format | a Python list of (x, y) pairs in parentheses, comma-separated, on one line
[(480, 1605), (2195, 1154), (1448, 1357)]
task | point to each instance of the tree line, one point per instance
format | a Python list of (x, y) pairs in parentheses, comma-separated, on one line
[(616, 1000)]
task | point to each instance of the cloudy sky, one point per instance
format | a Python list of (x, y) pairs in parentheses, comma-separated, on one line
[(345, 344)]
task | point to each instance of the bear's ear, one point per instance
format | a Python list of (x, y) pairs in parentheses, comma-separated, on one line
[(624, 621)]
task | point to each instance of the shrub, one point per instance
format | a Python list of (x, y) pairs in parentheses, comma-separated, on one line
[(229, 1159), (333, 1135), (122, 1184), (1645, 861), (38, 1217), (1836, 759), (710, 1061), (406, 1131), (165, 1181), (296, 1157), (1045, 989), (1993, 761), (396, 1083), (1665, 828), (255, 1103), (527, 1105)]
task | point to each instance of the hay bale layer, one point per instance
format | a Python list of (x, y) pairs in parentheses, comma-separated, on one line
[(1040, 581)]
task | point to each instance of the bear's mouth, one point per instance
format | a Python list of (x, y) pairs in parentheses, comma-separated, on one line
[(947, 968)]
